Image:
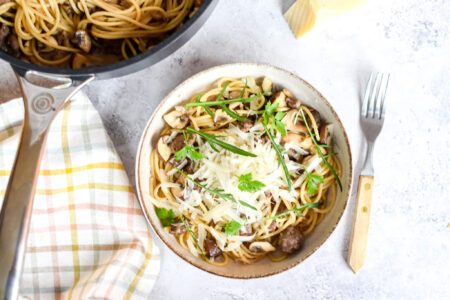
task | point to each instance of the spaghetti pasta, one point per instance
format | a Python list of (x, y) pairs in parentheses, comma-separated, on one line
[(81, 33), (217, 168)]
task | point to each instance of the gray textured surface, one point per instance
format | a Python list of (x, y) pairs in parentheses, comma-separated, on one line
[(409, 250)]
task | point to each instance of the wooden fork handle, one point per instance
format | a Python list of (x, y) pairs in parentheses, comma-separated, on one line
[(358, 241)]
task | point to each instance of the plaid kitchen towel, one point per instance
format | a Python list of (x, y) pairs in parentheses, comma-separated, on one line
[(88, 237)]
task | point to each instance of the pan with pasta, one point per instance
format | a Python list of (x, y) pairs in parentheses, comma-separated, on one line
[(243, 170), (85, 33)]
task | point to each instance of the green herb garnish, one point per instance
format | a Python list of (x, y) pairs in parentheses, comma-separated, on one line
[(206, 108), (297, 210), (280, 156), (166, 216), (319, 150), (221, 102), (312, 183), (225, 108), (247, 184), (214, 141), (188, 151), (193, 236), (268, 112), (278, 124), (271, 121), (232, 227)]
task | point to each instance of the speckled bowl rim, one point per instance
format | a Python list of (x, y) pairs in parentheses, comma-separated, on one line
[(189, 259)]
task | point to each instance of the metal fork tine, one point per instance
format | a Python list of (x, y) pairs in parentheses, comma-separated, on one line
[(383, 96), (367, 96), (377, 104), (374, 96)]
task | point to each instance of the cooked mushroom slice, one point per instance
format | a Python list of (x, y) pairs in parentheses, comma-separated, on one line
[(292, 102), (177, 229), (251, 84), (83, 40), (211, 248), (293, 123), (246, 125), (304, 142), (280, 98), (323, 134), (261, 247), (257, 103), (267, 86), (177, 118), (246, 230), (4, 32), (221, 118), (234, 94), (177, 143), (288, 93), (235, 105), (163, 148)]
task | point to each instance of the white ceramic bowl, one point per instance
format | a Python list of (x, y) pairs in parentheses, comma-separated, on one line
[(302, 91)]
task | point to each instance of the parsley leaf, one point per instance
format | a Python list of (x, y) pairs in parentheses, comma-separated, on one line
[(166, 216), (268, 112), (188, 151), (312, 183), (232, 227), (278, 124), (247, 184)]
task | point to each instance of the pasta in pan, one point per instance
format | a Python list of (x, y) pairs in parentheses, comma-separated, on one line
[(242, 171), (81, 33)]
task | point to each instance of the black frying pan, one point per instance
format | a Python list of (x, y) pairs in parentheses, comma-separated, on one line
[(45, 90)]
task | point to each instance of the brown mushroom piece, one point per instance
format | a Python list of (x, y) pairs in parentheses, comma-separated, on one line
[(83, 40), (292, 103), (13, 43), (221, 118), (261, 247), (177, 143), (267, 86), (163, 148), (246, 125), (211, 248), (177, 118), (293, 123), (291, 240), (4, 32), (177, 229), (279, 98), (301, 141), (246, 230), (323, 134)]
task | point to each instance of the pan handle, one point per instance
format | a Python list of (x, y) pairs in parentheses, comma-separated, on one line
[(44, 96)]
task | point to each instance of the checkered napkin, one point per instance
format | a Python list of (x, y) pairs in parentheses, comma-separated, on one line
[(88, 237)]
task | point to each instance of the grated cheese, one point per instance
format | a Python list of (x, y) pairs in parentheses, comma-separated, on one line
[(221, 170)]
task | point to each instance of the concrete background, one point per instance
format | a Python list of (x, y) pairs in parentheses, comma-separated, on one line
[(409, 250)]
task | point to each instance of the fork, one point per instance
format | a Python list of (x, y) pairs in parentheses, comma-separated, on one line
[(372, 119)]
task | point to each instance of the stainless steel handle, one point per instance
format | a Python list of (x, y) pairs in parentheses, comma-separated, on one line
[(44, 96)]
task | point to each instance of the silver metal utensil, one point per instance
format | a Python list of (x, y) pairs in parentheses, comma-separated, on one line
[(372, 118)]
